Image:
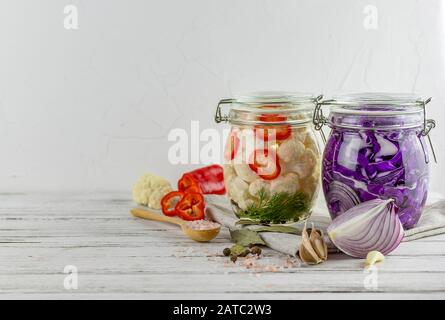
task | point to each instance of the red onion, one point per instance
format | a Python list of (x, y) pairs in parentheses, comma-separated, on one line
[(371, 225)]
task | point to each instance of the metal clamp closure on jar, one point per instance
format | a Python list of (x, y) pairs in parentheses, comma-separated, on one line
[(296, 107), (354, 106), (218, 115)]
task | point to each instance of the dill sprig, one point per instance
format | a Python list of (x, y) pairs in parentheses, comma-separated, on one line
[(280, 207)]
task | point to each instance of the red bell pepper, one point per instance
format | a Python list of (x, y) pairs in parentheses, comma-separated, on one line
[(168, 203), (209, 179), (191, 207), (281, 132), (187, 182), (265, 163), (193, 188)]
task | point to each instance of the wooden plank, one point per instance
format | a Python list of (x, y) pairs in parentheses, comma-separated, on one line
[(294, 283), (228, 296)]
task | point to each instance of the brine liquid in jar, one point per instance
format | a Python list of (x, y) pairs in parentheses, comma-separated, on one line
[(272, 157)]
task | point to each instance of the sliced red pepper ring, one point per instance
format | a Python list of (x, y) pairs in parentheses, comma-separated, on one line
[(191, 207), (232, 146), (265, 133), (281, 132), (170, 201), (265, 163), (272, 117)]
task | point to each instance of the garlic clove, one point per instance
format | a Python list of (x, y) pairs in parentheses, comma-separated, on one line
[(318, 244), (308, 255), (312, 251), (373, 257)]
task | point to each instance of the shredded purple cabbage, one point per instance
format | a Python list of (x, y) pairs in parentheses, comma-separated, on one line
[(361, 165)]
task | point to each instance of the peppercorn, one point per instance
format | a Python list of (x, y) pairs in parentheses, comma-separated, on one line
[(226, 252), (233, 258), (256, 250)]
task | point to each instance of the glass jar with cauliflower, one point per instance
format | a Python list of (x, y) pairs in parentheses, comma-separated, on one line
[(272, 158)]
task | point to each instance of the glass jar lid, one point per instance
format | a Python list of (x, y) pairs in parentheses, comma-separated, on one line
[(292, 108), (376, 111), (376, 103), (373, 111)]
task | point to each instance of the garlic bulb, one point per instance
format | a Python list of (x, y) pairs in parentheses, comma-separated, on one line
[(370, 226), (313, 249)]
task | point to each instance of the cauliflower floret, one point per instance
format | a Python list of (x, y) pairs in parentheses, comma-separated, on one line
[(311, 143), (149, 190), (310, 158), (309, 185), (247, 139), (238, 189), (304, 166), (244, 172), (244, 204), (229, 173), (300, 134), (286, 183), (257, 185), (241, 167), (290, 150)]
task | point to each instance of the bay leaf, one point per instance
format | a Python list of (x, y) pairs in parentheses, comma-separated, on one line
[(282, 229), (244, 237), (246, 221)]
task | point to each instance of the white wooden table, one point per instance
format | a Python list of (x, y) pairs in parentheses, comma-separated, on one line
[(118, 256)]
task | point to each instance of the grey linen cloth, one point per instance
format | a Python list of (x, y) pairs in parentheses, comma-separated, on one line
[(219, 209)]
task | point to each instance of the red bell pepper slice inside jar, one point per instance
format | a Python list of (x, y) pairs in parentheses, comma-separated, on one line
[(265, 163), (281, 132), (209, 179), (191, 207), (170, 201), (232, 146)]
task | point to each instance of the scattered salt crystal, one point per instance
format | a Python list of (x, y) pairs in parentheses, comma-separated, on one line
[(270, 268), (291, 263), (202, 225), (248, 263)]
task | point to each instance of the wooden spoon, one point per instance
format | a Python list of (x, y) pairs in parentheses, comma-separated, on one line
[(197, 235)]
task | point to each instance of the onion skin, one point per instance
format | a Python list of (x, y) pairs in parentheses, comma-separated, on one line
[(370, 226), (342, 195)]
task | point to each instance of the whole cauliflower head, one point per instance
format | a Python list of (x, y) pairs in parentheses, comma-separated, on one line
[(149, 190)]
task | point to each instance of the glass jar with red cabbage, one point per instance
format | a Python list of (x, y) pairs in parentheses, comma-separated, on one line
[(376, 149)]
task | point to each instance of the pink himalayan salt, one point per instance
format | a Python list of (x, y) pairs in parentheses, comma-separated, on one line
[(202, 225)]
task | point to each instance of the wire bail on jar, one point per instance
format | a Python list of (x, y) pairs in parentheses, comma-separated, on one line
[(428, 124), (219, 117), (320, 120)]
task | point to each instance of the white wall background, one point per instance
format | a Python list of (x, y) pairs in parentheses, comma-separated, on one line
[(90, 109)]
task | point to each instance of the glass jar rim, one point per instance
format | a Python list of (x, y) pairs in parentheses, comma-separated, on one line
[(297, 108), (376, 103), (275, 97)]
